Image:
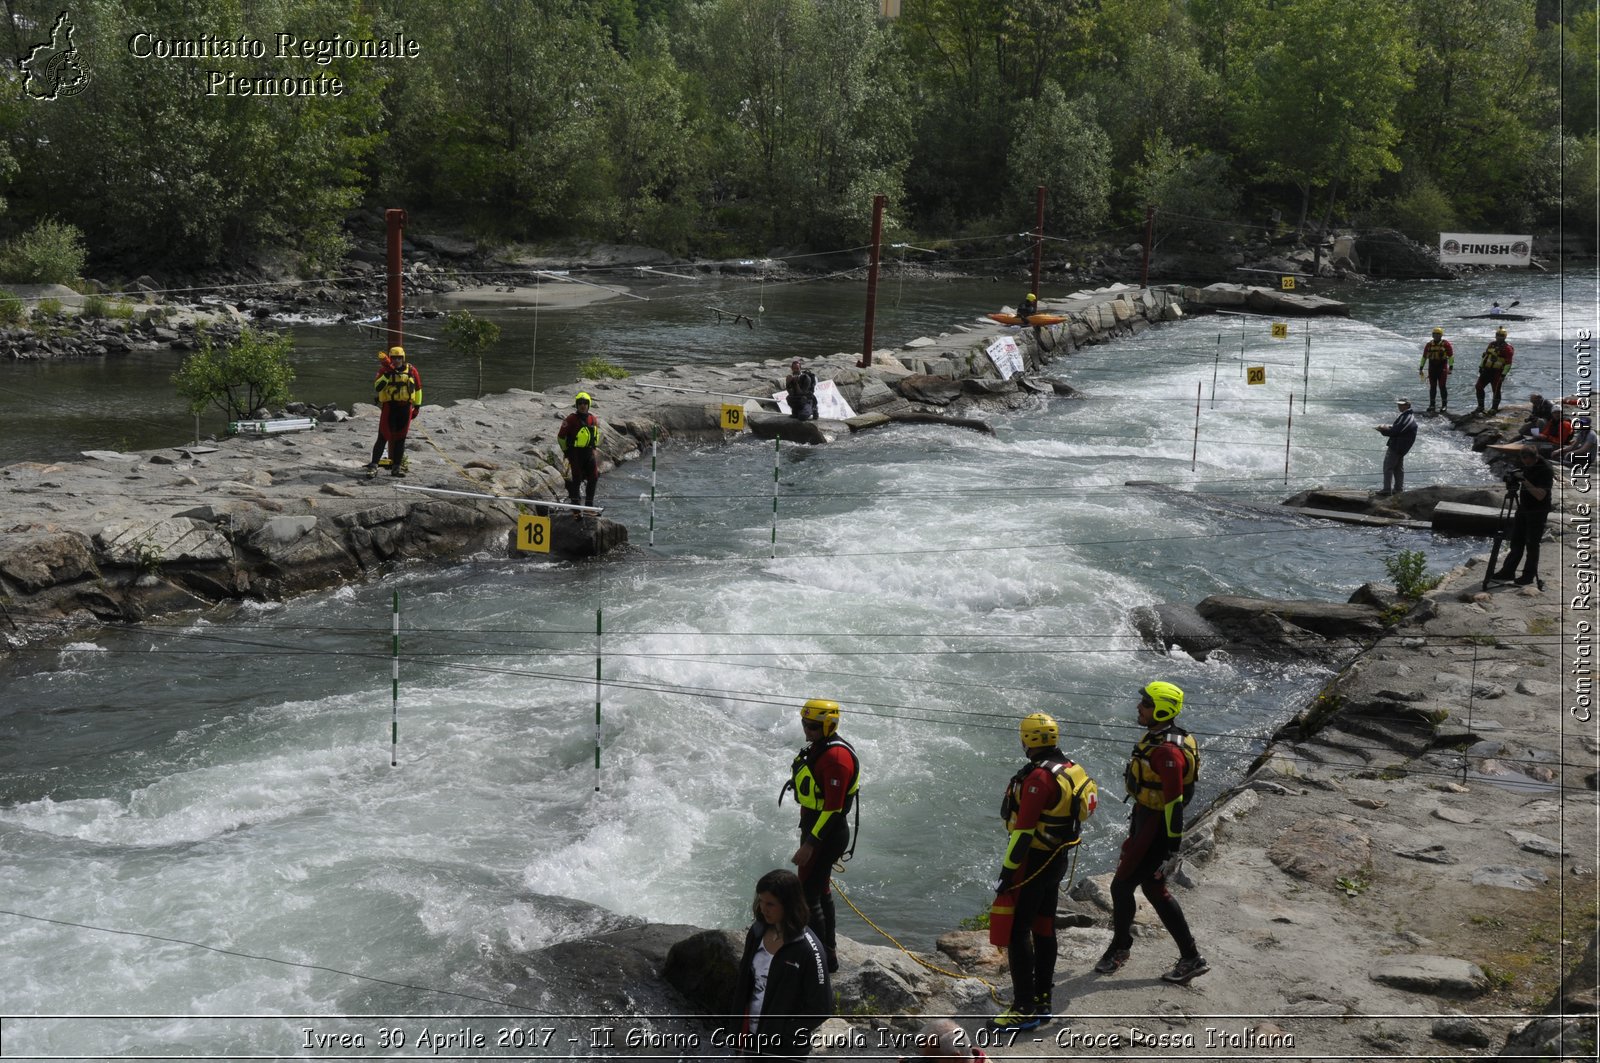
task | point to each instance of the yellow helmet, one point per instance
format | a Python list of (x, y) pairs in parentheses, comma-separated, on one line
[(397, 354), (582, 396), (818, 710), (1039, 731), (1500, 332), (1166, 697), (1437, 331)]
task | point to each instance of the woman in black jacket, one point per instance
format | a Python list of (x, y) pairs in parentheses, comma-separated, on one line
[(783, 989)]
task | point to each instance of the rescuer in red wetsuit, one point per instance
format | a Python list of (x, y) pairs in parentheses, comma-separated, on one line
[(1043, 811), (1494, 368), (825, 776), (578, 436), (1438, 359), (1160, 778), (398, 389)]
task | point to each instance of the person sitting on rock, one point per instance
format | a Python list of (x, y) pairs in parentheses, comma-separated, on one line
[(801, 385), (1580, 451), (1542, 409)]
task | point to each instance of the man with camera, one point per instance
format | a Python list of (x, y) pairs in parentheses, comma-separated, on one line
[(1532, 481)]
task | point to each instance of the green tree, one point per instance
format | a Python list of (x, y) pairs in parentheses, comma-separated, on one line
[(806, 97), (52, 252), (1191, 189), (1068, 153), (1317, 106), (238, 378), (1474, 127), (1151, 82), (158, 163), (470, 337)]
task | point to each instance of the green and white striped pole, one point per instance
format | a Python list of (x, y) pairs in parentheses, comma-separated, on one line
[(1305, 382), (776, 444), (394, 693), (655, 435), (597, 674)]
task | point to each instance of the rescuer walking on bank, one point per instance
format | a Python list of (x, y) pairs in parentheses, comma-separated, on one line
[(825, 776), (1043, 811), (1160, 777)]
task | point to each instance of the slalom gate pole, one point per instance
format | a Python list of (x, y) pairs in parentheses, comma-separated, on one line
[(1305, 381), (776, 444), (597, 676), (394, 692), (1241, 347), (533, 354), (1214, 364), (1287, 432), (1194, 455), (655, 436)]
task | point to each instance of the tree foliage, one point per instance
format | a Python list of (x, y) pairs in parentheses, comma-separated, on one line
[(470, 337), (51, 252), (237, 378), (724, 126)]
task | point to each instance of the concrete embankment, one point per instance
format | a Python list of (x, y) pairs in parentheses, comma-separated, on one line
[(128, 536)]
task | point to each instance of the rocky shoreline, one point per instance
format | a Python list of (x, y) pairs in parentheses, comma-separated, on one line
[(1418, 842), (124, 537), (177, 311), (1408, 869)]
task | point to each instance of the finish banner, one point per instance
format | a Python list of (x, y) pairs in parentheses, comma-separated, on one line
[(1485, 249)]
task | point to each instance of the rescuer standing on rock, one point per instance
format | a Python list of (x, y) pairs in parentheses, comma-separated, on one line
[(1160, 778), (1495, 367), (1438, 360), (398, 388), (1043, 811), (825, 776), (579, 435)]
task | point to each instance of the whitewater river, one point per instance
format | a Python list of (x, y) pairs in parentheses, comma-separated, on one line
[(225, 781)]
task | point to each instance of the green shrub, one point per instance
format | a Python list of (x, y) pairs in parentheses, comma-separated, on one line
[(1408, 570), (12, 312), (51, 252), (239, 378), (95, 306), (122, 309), (1423, 212), (598, 368), (47, 309), (470, 336)]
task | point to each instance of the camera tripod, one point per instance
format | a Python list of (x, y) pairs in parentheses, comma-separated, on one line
[(1508, 509)]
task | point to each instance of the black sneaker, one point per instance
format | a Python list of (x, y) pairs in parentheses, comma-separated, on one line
[(1043, 1009), (1523, 581), (1112, 961), (1185, 970)]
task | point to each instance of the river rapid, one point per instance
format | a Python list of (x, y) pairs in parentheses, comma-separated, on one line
[(226, 781)]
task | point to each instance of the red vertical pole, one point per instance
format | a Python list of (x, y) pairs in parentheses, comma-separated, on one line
[(1194, 457), (1038, 240), (1149, 231), (1287, 432), (396, 220), (872, 280)]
